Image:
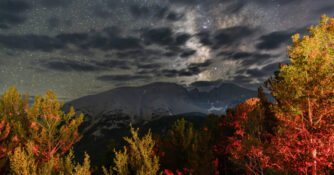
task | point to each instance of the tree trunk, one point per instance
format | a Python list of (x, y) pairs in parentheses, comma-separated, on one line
[(314, 166)]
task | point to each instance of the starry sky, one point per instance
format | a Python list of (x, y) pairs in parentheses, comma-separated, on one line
[(81, 47)]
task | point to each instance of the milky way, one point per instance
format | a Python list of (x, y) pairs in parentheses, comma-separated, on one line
[(81, 47)]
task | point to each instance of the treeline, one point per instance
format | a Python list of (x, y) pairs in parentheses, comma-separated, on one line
[(293, 135)]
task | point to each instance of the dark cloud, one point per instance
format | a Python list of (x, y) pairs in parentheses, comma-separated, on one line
[(122, 77), (273, 40), (169, 73), (256, 58), (235, 55), (173, 16), (139, 54), (155, 11), (247, 58), (115, 42), (187, 2), (160, 12), (139, 11), (4, 26), (231, 36), (131, 53), (14, 6), (255, 73), (274, 66), (149, 66), (97, 40), (101, 13), (11, 13), (204, 38), (30, 42), (271, 67), (201, 65), (242, 79), (160, 36), (181, 39), (8, 19), (281, 2), (187, 53), (78, 39), (53, 23), (235, 6), (192, 69), (55, 3), (165, 37), (170, 54), (70, 65), (110, 64)]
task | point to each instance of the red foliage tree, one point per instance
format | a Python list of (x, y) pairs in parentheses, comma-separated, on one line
[(249, 140)]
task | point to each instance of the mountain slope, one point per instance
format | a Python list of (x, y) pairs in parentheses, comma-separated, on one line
[(108, 114), (139, 103)]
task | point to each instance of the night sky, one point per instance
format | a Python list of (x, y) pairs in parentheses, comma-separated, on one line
[(81, 47)]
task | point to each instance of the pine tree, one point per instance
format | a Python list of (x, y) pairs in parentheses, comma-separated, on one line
[(186, 149), (138, 158), (14, 124), (51, 131), (23, 162)]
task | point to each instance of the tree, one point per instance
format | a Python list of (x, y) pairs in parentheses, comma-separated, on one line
[(247, 145), (138, 158), (304, 91), (24, 162), (51, 131), (14, 124), (186, 149)]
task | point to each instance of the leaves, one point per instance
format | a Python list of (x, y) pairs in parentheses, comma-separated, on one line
[(305, 108), (48, 131)]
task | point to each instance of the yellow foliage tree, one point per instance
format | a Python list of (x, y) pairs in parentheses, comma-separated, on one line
[(24, 162), (49, 130), (138, 158)]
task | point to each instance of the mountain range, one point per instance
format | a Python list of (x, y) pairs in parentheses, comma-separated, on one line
[(118, 107), (108, 114)]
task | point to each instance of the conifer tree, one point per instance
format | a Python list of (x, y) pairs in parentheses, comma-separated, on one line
[(24, 162), (138, 158), (187, 150), (14, 124), (51, 131)]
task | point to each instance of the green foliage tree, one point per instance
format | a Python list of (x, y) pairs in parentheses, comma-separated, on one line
[(186, 149), (304, 90), (138, 158)]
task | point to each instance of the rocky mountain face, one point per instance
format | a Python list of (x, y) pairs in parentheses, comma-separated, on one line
[(218, 99)]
